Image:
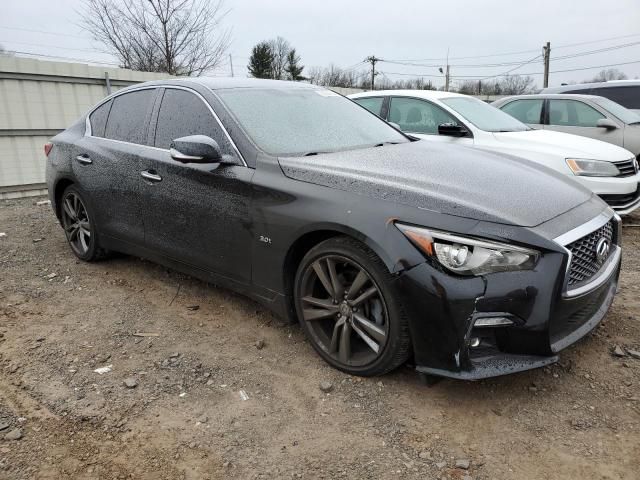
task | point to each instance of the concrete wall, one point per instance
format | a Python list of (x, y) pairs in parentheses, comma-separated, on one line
[(38, 99)]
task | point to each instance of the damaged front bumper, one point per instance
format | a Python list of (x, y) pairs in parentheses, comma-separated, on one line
[(536, 319)]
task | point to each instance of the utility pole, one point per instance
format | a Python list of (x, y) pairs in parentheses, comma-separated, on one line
[(446, 73), (446, 79), (231, 63), (546, 53), (372, 60)]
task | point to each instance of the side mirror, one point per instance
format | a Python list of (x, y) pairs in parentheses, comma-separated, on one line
[(195, 149), (606, 123), (452, 130), (395, 125)]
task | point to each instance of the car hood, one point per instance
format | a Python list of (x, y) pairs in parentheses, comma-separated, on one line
[(565, 145), (449, 179)]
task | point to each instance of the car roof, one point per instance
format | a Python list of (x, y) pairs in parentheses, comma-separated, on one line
[(585, 86), (220, 83), (568, 96), (428, 94)]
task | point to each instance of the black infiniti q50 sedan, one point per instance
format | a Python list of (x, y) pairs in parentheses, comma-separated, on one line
[(384, 248)]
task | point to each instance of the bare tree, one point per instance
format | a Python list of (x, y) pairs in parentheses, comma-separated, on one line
[(515, 85), (611, 74), (314, 75), (470, 87), (280, 48), (179, 37)]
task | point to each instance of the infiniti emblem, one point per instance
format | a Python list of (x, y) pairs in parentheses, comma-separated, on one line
[(602, 249)]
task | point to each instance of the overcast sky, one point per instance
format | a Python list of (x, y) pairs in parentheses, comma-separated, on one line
[(345, 32)]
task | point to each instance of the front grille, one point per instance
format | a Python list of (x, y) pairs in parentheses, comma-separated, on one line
[(617, 201), (627, 168), (584, 261)]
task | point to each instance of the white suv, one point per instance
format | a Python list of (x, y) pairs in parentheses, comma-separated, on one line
[(608, 170)]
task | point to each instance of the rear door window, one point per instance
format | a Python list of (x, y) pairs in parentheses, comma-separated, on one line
[(182, 114), (418, 116), (128, 118), (373, 104), (98, 119), (573, 113), (527, 111)]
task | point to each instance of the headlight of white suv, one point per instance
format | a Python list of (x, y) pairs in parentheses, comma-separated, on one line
[(592, 168), (469, 256)]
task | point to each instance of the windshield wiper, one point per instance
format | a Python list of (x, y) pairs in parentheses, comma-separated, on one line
[(386, 143)]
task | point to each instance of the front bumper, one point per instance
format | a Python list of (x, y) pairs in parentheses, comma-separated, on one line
[(621, 193), (443, 309), (623, 204)]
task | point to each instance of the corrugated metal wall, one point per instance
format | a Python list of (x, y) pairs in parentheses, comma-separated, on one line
[(39, 99)]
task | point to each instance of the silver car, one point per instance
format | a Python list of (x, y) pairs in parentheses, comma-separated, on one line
[(585, 115)]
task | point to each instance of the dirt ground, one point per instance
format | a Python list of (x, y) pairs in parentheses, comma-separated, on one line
[(219, 388)]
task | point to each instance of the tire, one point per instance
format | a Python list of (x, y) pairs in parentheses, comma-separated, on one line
[(345, 303), (78, 221)]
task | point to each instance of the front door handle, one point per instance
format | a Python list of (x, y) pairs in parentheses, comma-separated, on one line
[(84, 159), (151, 176)]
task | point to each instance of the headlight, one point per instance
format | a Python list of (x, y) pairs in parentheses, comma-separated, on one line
[(592, 168), (469, 256)]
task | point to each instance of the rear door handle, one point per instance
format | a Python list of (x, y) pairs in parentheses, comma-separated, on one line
[(151, 176), (84, 158)]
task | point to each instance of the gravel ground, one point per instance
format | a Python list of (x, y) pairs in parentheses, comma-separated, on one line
[(201, 383)]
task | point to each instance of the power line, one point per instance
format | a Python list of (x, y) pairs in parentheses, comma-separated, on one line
[(84, 60), (51, 46), (513, 69), (476, 77), (601, 50), (42, 31), (506, 64), (520, 51)]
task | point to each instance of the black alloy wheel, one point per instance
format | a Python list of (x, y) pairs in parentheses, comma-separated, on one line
[(78, 225), (342, 303)]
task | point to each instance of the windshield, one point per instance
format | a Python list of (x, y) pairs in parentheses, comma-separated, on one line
[(617, 110), (305, 121), (484, 116)]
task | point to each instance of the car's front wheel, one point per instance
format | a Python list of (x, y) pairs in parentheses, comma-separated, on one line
[(344, 301), (79, 226)]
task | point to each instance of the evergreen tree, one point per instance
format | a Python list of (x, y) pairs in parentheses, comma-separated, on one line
[(293, 67), (261, 61)]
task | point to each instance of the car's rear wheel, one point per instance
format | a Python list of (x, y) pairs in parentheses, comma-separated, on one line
[(346, 306), (78, 224)]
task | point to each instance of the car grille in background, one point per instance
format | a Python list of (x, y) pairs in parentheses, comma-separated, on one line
[(617, 201), (584, 262), (627, 167)]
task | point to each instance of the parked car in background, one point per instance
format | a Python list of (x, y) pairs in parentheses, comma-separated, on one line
[(585, 115), (624, 92), (608, 170), (380, 246)]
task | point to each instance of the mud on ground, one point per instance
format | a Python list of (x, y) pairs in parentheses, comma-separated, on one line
[(183, 414)]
